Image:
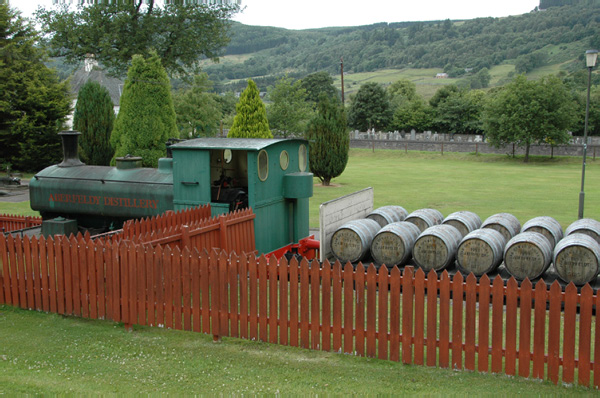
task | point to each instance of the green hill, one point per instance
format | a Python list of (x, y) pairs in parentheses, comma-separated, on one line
[(551, 40)]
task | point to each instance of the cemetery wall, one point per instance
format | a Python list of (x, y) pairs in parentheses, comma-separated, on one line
[(434, 142)]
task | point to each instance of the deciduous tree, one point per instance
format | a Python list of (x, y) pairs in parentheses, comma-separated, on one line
[(146, 119), (251, 116), (459, 112), (198, 110), (288, 112), (316, 84), (115, 31), (94, 118), (526, 112), (370, 108)]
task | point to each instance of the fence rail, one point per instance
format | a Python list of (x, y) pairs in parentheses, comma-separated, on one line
[(408, 316), (9, 223)]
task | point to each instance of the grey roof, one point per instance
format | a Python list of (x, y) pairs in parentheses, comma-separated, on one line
[(114, 85), (249, 144)]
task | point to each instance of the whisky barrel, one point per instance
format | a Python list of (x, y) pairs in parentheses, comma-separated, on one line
[(394, 243), (436, 247), (480, 251), (425, 218), (464, 221), (505, 223), (546, 226), (586, 226), (527, 255), (577, 259), (388, 214), (351, 241)]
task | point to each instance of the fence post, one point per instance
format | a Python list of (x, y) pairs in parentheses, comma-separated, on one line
[(185, 237), (223, 234)]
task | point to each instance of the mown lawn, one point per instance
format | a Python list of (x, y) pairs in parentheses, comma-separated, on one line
[(46, 353), (484, 184), (51, 354)]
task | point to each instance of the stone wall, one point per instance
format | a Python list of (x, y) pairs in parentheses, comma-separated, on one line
[(434, 142)]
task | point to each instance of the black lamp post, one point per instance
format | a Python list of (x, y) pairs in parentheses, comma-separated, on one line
[(590, 61)]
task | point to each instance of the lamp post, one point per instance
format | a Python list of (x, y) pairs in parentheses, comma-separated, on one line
[(590, 61)]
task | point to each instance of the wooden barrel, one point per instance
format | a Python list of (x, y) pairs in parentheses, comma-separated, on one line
[(436, 247), (546, 226), (394, 243), (480, 251), (527, 255), (425, 218), (464, 221), (505, 223), (577, 259), (388, 214), (351, 241), (586, 226)]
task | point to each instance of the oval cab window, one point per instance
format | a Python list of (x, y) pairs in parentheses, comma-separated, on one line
[(302, 157), (227, 155), (284, 160), (263, 165)]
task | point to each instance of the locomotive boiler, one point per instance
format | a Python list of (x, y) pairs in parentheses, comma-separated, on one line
[(268, 175)]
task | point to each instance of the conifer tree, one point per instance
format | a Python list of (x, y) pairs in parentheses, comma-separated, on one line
[(147, 118), (329, 140), (251, 116), (94, 118), (33, 103)]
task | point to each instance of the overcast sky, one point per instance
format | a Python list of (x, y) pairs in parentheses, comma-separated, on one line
[(305, 14)]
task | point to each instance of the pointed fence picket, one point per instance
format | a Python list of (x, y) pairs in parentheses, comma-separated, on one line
[(398, 315)]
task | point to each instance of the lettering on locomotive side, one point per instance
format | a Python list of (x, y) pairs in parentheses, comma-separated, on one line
[(95, 200)]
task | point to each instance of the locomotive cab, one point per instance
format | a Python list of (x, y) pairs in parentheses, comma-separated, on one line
[(267, 175)]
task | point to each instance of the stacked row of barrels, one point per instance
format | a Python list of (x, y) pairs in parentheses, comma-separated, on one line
[(393, 237)]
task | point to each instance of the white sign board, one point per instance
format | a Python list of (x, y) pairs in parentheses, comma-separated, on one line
[(335, 213)]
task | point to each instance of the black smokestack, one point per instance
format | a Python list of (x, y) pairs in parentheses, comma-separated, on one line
[(70, 151)]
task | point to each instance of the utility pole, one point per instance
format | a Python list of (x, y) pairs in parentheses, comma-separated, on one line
[(342, 70)]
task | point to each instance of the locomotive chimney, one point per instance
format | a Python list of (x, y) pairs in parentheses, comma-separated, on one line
[(70, 151)]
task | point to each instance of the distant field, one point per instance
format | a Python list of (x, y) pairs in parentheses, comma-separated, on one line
[(484, 184), (424, 79)]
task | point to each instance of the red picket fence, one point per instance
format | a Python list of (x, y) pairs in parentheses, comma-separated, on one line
[(10, 222), (192, 228), (164, 222), (407, 316)]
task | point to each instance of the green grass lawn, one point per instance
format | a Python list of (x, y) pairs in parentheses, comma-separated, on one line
[(45, 353), (51, 354), (484, 184)]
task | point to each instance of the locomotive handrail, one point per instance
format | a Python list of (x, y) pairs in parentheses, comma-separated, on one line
[(103, 180)]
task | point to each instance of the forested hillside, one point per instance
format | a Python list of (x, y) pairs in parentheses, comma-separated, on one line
[(556, 35)]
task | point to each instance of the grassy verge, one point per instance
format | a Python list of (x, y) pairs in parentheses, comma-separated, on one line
[(49, 354), (484, 184)]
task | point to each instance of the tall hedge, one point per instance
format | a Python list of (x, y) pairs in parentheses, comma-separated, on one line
[(94, 117), (329, 140), (251, 116), (147, 118)]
